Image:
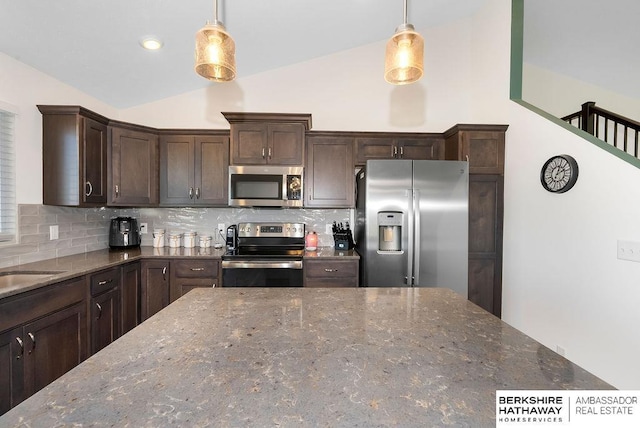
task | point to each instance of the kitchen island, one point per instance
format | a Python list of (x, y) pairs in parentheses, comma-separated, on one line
[(305, 357)]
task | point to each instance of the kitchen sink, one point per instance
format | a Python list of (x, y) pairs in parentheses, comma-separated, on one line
[(14, 278)]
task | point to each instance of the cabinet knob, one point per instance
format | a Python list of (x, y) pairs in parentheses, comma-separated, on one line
[(197, 193), (263, 153), (269, 152), (330, 270), (89, 188), (99, 310), (401, 151), (197, 269), (117, 190), (190, 192), (164, 273)]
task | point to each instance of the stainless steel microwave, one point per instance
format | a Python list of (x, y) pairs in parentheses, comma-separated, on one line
[(265, 186)]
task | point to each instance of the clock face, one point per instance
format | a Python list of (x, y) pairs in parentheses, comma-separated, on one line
[(559, 173)]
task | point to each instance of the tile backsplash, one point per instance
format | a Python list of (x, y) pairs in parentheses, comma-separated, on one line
[(87, 229)]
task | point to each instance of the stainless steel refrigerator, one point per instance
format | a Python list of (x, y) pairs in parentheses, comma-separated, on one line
[(412, 224)]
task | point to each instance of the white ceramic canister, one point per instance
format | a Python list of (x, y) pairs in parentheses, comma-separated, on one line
[(158, 238), (189, 239), (175, 239), (205, 241)]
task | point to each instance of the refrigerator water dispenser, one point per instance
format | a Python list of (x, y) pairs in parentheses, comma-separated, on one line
[(389, 231)]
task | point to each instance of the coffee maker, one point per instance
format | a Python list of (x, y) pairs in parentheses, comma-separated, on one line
[(124, 233), (232, 237)]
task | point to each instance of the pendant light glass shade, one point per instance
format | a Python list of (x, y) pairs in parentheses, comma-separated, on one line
[(404, 58), (215, 52)]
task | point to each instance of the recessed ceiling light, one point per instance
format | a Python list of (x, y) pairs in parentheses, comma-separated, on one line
[(151, 43)]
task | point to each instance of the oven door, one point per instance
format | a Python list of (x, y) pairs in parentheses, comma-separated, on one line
[(262, 273)]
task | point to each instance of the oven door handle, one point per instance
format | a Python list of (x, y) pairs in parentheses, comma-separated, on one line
[(262, 264)]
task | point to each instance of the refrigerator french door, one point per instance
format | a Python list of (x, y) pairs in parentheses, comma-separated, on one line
[(412, 224)]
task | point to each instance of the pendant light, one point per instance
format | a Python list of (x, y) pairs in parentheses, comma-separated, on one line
[(215, 51), (403, 62)]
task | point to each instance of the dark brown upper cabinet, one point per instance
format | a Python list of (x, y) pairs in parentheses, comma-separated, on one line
[(133, 165), (398, 146), (194, 169), (329, 172), (481, 145), (74, 156), (267, 138)]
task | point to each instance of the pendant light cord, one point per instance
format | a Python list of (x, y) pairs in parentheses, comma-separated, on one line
[(405, 12)]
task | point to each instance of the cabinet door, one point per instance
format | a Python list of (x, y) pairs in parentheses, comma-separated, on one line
[(419, 149), (189, 274), (155, 286), (211, 170), (285, 144), (177, 170), (330, 177), (53, 345), (105, 319), (249, 143), (11, 370), (375, 148), (133, 168), (130, 293), (485, 241), (93, 187)]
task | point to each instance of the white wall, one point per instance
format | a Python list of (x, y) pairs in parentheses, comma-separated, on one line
[(562, 282), (345, 91), (23, 87), (561, 95)]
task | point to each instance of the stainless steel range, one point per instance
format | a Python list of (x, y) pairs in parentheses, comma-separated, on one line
[(264, 255)]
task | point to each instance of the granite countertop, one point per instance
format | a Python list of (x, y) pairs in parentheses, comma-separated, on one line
[(81, 264), (305, 357)]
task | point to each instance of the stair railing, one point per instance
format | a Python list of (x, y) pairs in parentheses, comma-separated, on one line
[(612, 128)]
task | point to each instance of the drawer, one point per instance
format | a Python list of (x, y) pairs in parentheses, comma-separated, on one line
[(336, 282), (195, 268), (105, 280), (331, 269), (28, 306)]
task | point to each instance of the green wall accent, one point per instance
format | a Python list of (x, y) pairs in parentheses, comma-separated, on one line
[(517, 47)]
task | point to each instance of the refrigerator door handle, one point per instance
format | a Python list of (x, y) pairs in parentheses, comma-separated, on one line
[(416, 239), (410, 238)]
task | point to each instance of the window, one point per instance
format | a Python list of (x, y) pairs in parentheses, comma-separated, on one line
[(7, 177)]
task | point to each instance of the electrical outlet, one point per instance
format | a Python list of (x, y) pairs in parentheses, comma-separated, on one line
[(143, 228), (53, 232), (221, 227), (629, 250), (328, 229)]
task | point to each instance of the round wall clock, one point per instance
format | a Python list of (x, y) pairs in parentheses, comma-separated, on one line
[(559, 173)]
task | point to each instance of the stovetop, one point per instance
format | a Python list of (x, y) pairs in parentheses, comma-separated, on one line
[(268, 240)]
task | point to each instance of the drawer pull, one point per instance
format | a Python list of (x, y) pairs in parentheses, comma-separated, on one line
[(106, 281), (21, 343), (330, 270), (197, 269), (33, 340)]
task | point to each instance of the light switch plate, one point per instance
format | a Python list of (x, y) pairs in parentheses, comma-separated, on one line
[(53, 232), (629, 250)]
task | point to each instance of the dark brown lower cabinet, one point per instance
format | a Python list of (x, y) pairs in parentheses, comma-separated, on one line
[(104, 308), (189, 274), (44, 336), (330, 273), (155, 286), (130, 294), (485, 241)]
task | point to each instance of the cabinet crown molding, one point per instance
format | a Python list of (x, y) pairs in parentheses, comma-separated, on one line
[(240, 117)]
